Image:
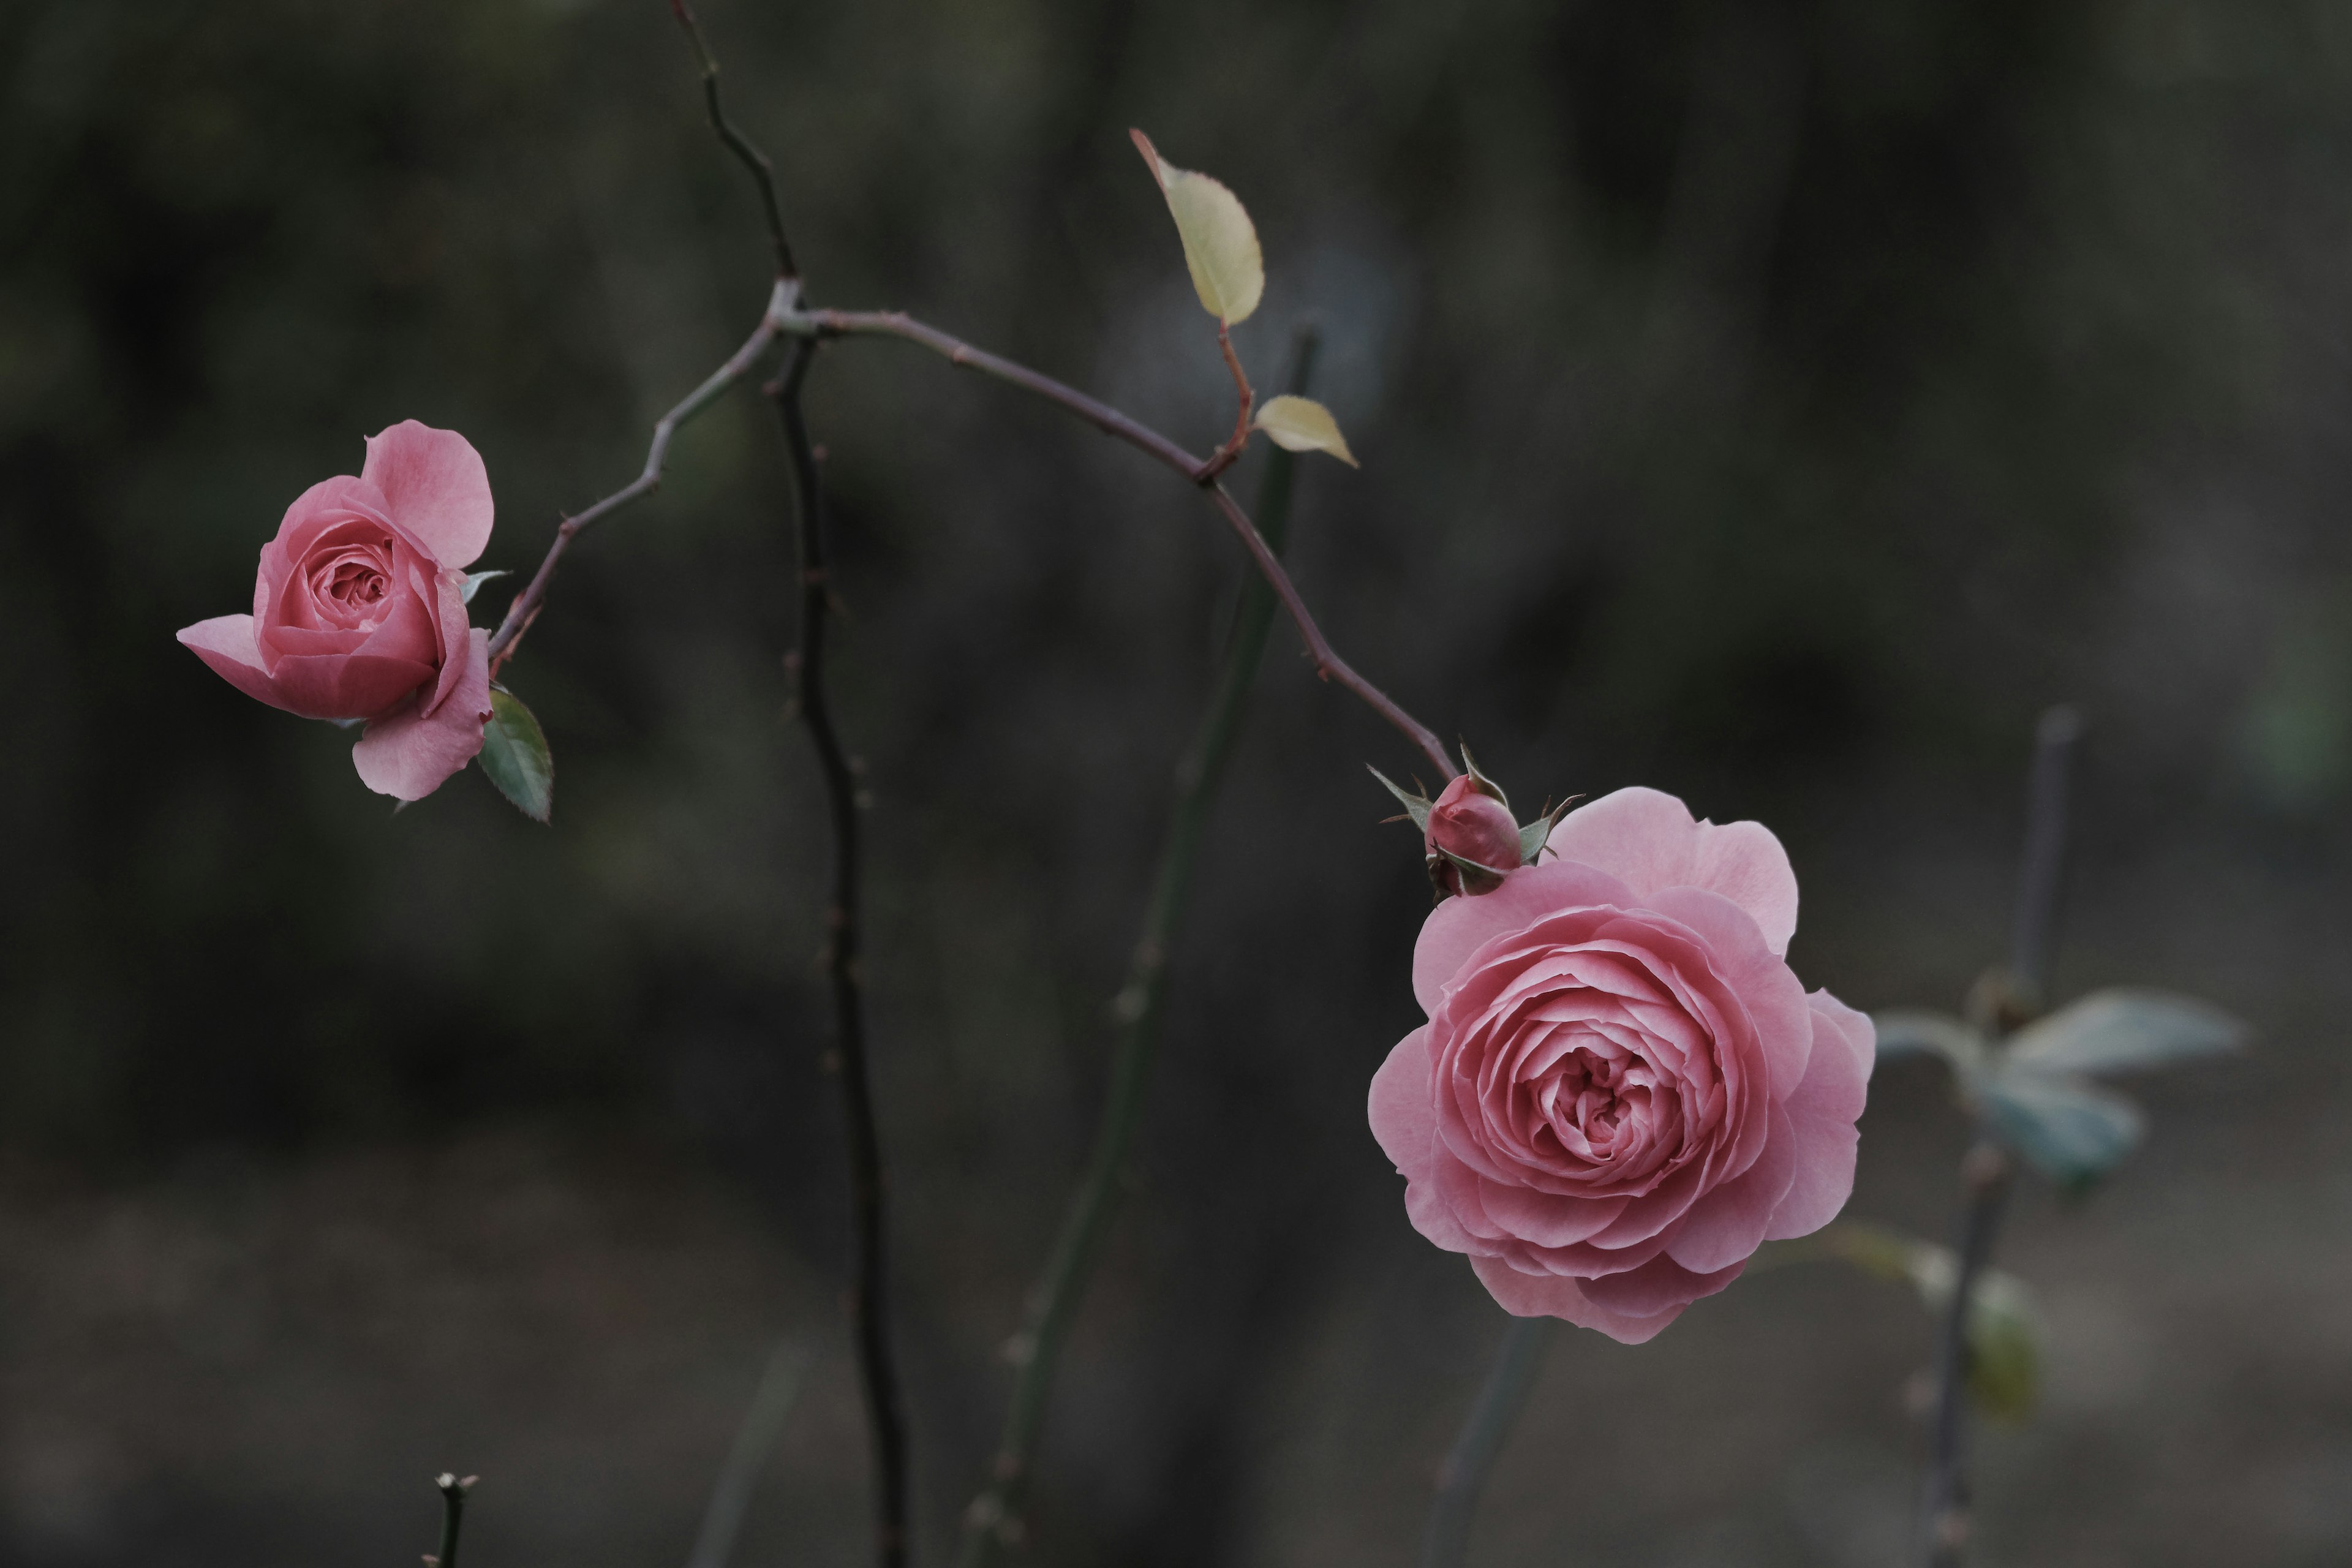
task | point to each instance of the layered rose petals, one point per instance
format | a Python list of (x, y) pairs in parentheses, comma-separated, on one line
[(359, 610), (1622, 1089)]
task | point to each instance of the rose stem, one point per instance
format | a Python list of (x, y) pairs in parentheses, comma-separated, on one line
[(995, 1518), (1985, 1172), (1445, 1541), (453, 1514), (1329, 665), (868, 1291)]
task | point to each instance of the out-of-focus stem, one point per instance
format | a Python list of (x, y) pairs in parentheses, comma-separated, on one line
[(1986, 1171), (1445, 1541), (755, 1442), (995, 1518), (868, 1291)]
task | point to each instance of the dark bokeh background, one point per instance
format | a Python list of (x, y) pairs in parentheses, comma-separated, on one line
[(1777, 403)]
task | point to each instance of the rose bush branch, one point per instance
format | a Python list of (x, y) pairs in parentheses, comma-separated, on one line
[(1329, 665), (528, 604), (868, 1297), (995, 1518)]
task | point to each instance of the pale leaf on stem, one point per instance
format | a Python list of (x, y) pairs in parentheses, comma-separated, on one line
[(1219, 242), (1303, 425)]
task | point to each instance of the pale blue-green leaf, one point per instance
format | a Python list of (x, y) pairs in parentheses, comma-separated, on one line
[(2069, 1128), (1909, 1032), (2123, 1030), (514, 754), (474, 581)]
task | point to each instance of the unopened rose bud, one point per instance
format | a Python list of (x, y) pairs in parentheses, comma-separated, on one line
[(1472, 839)]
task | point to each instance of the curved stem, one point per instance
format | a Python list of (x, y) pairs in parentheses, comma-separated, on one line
[(995, 1518), (868, 1292), (1445, 1543), (1111, 422), (527, 604)]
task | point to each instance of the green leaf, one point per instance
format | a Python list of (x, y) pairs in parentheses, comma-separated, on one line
[(514, 754), (474, 581), (2121, 1030), (1219, 242), (2070, 1130), (1415, 806), (1906, 1032), (1303, 425)]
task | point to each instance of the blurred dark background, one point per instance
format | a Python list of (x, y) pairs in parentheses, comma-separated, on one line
[(1775, 404)]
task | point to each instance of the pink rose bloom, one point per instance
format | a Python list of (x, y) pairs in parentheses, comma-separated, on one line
[(359, 610), (1466, 822), (1622, 1088)]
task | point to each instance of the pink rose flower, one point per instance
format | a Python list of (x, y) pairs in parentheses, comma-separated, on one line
[(359, 610), (1467, 823), (1622, 1089)]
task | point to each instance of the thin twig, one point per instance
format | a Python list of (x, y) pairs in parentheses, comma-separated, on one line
[(868, 1295), (1110, 421), (453, 1514), (1986, 1171), (526, 606), (1225, 457), (996, 1518), (1445, 1543), (755, 1441), (763, 174)]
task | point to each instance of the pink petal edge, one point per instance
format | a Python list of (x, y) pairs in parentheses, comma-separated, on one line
[(437, 488), (1650, 839), (410, 753)]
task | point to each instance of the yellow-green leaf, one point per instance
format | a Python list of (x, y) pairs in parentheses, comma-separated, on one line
[(1303, 425), (1219, 242)]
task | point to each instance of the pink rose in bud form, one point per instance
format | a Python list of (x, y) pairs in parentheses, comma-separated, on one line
[(1466, 822), (1622, 1089), (359, 610)]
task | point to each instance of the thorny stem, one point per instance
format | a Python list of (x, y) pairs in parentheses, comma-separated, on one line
[(1329, 665), (1986, 1171), (527, 604), (453, 1514), (756, 162), (868, 1293), (1462, 1478), (995, 1518)]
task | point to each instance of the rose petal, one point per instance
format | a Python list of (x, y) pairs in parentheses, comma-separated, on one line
[(1648, 839), (1660, 1286), (1735, 950), (1460, 926), (1551, 1296), (410, 753), (226, 643), (1726, 1225), (346, 685), (436, 487), (1823, 1113)]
